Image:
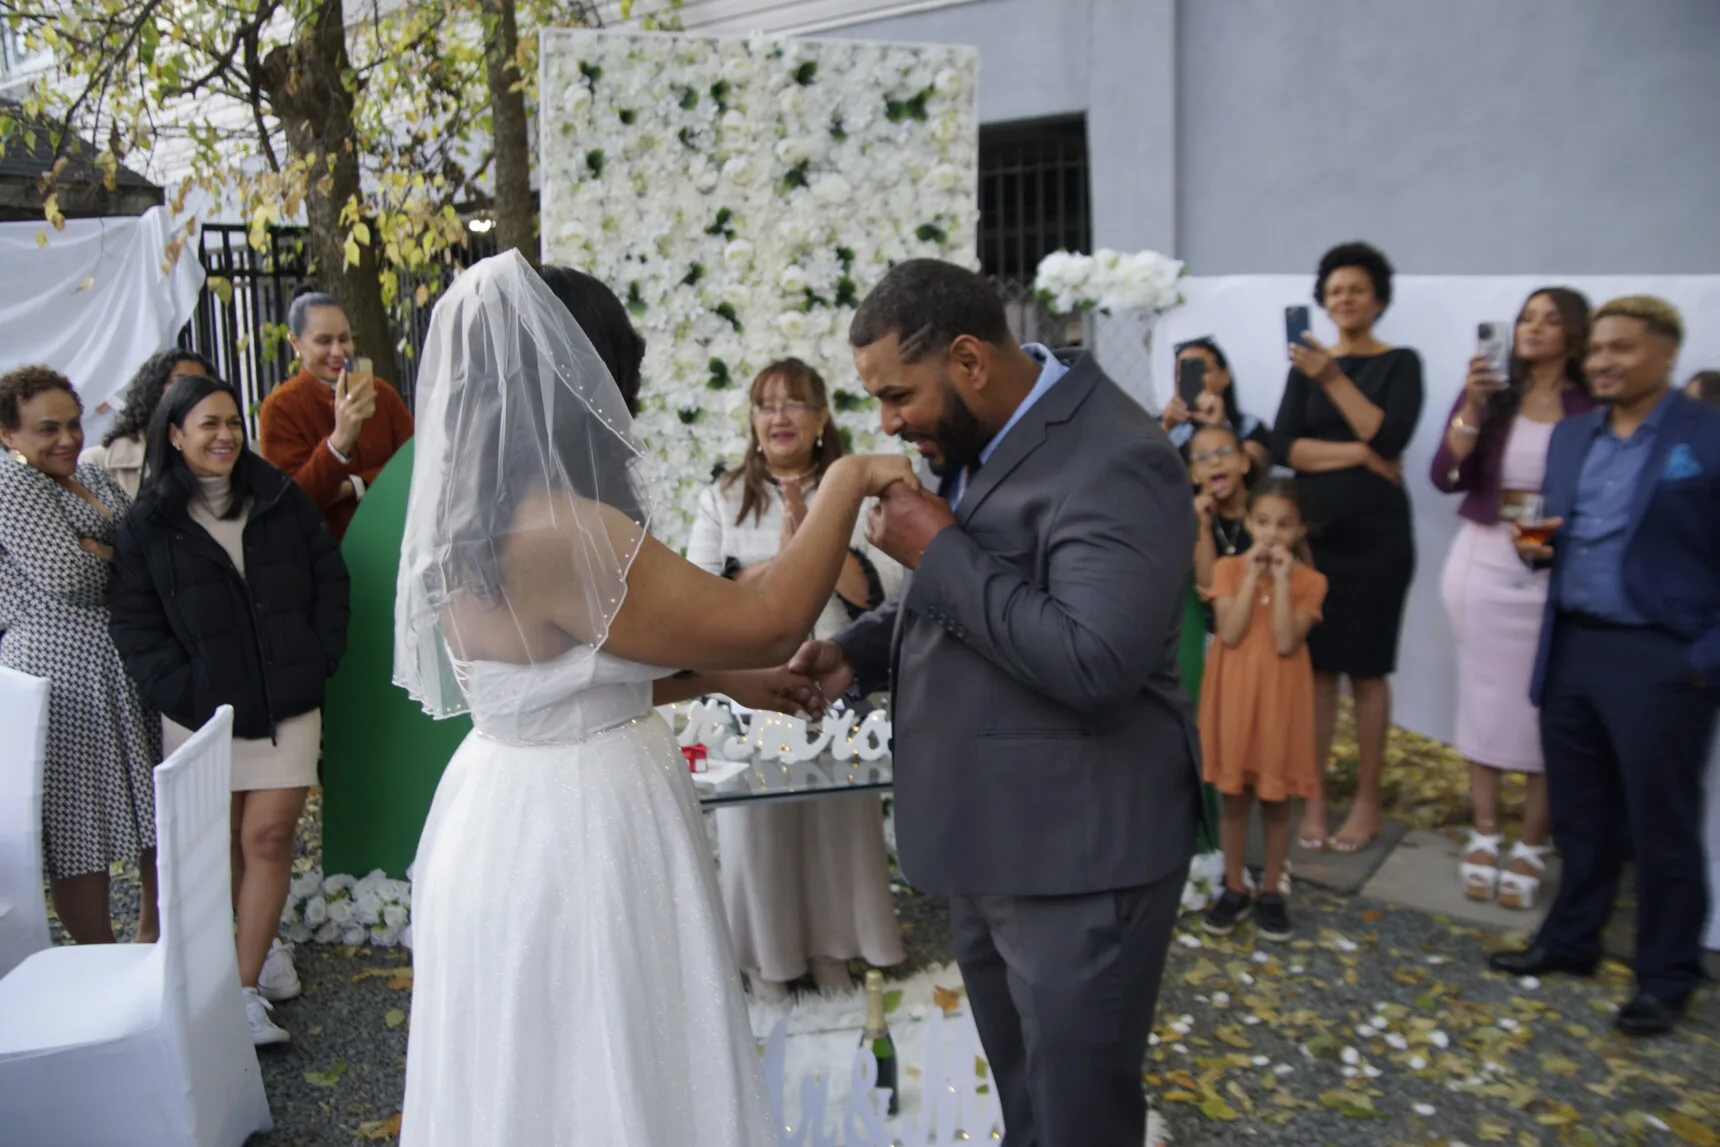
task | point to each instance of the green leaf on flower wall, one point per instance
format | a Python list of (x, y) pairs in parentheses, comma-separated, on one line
[(594, 161), (806, 73), (690, 414)]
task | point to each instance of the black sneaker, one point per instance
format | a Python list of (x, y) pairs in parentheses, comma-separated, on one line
[(1272, 918), (1232, 909)]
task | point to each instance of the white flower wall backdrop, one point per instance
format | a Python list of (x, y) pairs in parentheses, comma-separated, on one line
[(742, 195)]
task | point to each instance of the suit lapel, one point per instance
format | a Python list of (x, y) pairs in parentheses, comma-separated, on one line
[(1670, 432), (1565, 471), (1057, 405)]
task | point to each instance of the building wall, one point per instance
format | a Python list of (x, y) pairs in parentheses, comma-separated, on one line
[(1113, 60), (1464, 136)]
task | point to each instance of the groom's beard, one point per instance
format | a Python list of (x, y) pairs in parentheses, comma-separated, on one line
[(959, 435)]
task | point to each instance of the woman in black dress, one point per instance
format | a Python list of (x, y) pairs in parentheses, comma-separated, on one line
[(1347, 414)]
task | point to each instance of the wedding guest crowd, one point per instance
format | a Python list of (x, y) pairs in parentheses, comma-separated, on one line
[(330, 427), (58, 519), (806, 884)]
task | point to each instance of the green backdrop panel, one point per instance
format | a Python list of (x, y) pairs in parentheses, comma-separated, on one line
[(382, 756)]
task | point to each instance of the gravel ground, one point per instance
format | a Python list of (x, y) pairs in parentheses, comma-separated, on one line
[(1275, 1044)]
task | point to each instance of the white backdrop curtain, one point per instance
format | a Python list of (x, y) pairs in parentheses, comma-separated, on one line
[(93, 303)]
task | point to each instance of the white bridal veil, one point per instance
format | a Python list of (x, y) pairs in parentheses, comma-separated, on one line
[(515, 408)]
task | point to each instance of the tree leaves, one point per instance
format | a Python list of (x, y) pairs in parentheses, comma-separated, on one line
[(380, 1130), (329, 1078)]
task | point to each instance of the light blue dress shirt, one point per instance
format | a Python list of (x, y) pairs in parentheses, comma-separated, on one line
[(1593, 578), (1050, 370)]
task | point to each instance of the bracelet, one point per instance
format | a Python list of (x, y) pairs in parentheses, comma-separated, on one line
[(1463, 427)]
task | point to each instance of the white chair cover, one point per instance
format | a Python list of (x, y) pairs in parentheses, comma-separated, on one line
[(144, 1045), (23, 914), (1711, 840)]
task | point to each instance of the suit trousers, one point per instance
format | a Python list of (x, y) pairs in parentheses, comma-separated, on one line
[(1625, 727), (1063, 990)]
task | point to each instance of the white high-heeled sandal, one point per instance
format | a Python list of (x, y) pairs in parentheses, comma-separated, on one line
[(1518, 889), (1481, 881)]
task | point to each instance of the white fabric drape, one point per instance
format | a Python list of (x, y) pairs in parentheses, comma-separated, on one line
[(93, 302)]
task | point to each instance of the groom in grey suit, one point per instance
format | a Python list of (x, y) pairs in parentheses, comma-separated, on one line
[(1046, 767)]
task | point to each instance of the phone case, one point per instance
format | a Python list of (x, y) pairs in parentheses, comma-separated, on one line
[(1295, 325)]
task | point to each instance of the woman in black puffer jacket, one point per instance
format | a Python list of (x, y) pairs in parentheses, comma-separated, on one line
[(228, 589)]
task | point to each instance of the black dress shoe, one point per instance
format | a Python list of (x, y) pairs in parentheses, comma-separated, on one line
[(1538, 961), (1646, 1015)]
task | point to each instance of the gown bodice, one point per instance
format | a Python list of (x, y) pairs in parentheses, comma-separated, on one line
[(564, 700)]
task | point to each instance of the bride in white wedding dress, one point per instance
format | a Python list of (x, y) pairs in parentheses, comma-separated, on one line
[(574, 979)]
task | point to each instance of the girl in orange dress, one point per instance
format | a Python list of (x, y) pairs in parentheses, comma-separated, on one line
[(1257, 701)]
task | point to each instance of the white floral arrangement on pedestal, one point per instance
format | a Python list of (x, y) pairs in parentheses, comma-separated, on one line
[(372, 909), (1109, 282), (741, 196)]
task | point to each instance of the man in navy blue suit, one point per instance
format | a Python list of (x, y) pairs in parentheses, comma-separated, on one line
[(1629, 660)]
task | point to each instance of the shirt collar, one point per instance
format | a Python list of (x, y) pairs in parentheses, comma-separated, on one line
[(1651, 422), (1050, 370)]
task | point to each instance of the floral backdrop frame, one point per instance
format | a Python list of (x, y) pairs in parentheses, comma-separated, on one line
[(741, 195)]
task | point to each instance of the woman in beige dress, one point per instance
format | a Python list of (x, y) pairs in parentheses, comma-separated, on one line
[(806, 884), (229, 590)]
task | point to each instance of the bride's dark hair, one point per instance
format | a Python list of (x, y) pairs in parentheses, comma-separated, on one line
[(502, 487)]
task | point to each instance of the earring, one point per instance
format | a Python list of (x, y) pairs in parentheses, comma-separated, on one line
[(819, 445), (179, 448), (18, 457)]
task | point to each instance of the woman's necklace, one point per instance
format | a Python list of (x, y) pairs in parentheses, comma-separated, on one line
[(1229, 539)]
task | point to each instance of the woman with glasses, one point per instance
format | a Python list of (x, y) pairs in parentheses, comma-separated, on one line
[(806, 884), (1217, 406)]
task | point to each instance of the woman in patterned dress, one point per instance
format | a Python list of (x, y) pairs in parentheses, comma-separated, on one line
[(56, 555)]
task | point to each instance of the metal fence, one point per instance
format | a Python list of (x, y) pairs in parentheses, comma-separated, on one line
[(244, 331), (1118, 342)]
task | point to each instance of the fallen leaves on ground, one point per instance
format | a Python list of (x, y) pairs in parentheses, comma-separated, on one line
[(394, 1018), (948, 1000), (329, 1078)]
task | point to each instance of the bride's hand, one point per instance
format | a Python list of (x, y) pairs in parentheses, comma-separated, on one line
[(878, 472)]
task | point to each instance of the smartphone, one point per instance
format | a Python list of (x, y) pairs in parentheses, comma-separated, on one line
[(1493, 343), (1295, 325), (1191, 380)]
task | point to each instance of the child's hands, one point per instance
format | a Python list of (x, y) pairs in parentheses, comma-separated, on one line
[(1280, 560), (1204, 508), (1260, 558)]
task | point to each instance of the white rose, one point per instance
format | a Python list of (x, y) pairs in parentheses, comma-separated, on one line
[(792, 324), (794, 230), (341, 912), (316, 912), (367, 905), (297, 934), (395, 916), (737, 169), (576, 100), (793, 150), (791, 102), (355, 935), (793, 280), (734, 121), (305, 886), (832, 189), (705, 176), (396, 891), (406, 937), (329, 933), (737, 69), (738, 253), (946, 177)]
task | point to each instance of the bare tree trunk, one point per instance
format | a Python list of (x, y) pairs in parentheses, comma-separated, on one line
[(306, 85), (516, 213)]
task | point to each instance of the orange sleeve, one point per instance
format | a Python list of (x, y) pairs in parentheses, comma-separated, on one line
[(1227, 576), (293, 449), (1308, 591)]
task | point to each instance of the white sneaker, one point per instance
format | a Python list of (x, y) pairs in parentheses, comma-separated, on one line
[(1157, 1136), (264, 1031), (279, 980)]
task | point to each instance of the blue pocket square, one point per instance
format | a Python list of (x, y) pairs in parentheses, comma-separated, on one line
[(1680, 464)]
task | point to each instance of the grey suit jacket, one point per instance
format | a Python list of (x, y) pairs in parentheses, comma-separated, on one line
[(1043, 742)]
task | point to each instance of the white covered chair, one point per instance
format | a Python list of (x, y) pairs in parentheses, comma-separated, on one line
[(23, 914), (144, 1044)]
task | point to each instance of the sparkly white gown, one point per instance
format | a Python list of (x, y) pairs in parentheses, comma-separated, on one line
[(575, 984)]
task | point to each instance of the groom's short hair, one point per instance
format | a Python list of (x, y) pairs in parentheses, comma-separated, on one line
[(927, 304)]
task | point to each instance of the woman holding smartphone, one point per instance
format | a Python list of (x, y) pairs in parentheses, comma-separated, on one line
[(333, 426), (1347, 414), (1206, 396), (1494, 453)]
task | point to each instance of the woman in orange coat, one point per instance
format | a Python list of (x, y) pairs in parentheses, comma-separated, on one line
[(331, 433)]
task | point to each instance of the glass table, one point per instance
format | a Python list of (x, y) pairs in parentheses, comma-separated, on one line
[(752, 782)]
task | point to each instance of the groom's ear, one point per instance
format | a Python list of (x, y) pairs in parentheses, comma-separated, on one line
[(968, 361)]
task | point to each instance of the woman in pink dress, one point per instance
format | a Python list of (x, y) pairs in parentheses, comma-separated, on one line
[(1495, 453)]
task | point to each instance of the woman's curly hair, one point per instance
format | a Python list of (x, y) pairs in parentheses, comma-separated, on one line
[(143, 392)]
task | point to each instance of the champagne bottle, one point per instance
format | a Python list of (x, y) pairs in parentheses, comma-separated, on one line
[(877, 1036)]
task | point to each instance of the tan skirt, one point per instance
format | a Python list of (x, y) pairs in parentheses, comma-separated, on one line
[(289, 762)]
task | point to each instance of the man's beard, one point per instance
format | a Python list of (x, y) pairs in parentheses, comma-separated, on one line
[(958, 434)]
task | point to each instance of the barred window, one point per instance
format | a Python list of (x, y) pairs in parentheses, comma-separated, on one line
[(1032, 195)]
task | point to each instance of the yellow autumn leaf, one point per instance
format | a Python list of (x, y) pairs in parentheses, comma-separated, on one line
[(401, 980), (394, 1018), (947, 1000), (86, 283), (352, 253), (1691, 1131), (1492, 1131), (41, 238), (382, 1129)]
